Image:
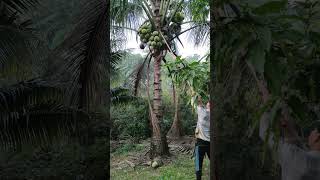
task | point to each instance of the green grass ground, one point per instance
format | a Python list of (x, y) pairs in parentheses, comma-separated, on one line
[(181, 167)]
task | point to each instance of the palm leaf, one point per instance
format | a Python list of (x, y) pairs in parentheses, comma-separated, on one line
[(19, 6), (121, 95), (148, 11), (19, 46), (34, 111), (85, 53), (116, 58), (200, 34), (126, 13), (138, 74)]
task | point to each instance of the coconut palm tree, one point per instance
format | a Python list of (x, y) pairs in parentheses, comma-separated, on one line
[(159, 32)]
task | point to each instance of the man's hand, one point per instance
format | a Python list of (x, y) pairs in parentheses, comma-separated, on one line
[(288, 128)]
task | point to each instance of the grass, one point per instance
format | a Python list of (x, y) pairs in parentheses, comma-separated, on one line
[(181, 168)]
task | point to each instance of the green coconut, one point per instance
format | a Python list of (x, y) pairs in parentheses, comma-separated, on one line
[(144, 31), (155, 33), (156, 38), (147, 36)]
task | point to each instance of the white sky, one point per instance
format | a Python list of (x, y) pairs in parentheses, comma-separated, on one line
[(187, 50)]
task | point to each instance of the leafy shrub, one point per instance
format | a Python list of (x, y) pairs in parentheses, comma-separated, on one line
[(58, 161), (130, 121), (187, 116)]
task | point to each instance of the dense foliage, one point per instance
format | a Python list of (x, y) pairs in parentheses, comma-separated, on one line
[(51, 88), (191, 77), (266, 54)]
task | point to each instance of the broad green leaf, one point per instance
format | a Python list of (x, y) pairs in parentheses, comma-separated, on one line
[(257, 116), (275, 73), (257, 57), (264, 34)]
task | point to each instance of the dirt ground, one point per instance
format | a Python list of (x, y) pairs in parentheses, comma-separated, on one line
[(184, 145)]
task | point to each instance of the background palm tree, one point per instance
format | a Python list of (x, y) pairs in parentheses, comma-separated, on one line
[(80, 54), (42, 104)]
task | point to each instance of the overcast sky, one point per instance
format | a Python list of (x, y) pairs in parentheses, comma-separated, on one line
[(187, 50)]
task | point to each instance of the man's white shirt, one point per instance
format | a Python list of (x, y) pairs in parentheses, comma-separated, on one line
[(203, 124)]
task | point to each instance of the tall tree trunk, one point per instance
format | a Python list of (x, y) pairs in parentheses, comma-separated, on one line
[(176, 129), (159, 145), (214, 130)]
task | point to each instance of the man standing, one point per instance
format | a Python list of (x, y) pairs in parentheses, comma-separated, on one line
[(296, 163), (202, 134)]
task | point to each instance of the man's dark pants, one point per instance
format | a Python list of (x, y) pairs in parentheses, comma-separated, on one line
[(201, 148)]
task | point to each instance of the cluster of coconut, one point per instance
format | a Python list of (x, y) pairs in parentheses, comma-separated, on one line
[(157, 40), (178, 18), (154, 39)]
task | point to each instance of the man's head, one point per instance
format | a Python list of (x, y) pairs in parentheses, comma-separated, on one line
[(314, 135), (314, 140), (208, 106)]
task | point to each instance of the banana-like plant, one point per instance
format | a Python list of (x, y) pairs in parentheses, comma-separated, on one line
[(192, 78), (276, 47)]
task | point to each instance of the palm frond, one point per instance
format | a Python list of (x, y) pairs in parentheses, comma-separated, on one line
[(197, 10), (85, 53), (19, 49), (121, 95), (126, 13), (199, 35), (138, 74), (19, 46), (118, 38), (34, 111), (19, 6), (116, 58), (15, 98)]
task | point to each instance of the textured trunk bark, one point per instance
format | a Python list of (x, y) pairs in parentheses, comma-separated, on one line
[(176, 129), (214, 130), (159, 145), (157, 96)]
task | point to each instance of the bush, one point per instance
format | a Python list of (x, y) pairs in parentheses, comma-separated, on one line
[(130, 121), (187, 117)]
